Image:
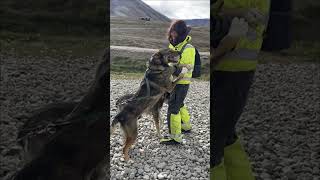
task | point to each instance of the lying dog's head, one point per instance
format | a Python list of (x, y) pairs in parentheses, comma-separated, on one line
[(99, 86), (103, 69), (164, 57), (95, 98)]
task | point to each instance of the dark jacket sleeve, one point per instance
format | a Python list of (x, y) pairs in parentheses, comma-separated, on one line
[(177, 70)]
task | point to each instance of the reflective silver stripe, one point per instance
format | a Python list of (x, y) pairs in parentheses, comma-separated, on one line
[(243, 54), (252, 34), (186, 79), (185, 65), (188, 46)]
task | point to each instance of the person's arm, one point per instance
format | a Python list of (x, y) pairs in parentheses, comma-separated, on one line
[(226, 45), (238, 29), (177, 70)]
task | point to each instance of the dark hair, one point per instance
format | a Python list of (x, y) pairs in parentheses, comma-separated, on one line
[(180, 27)]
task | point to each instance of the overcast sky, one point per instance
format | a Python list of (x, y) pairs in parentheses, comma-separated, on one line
[(181, 9)]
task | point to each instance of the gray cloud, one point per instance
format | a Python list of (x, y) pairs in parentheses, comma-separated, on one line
[(179, 9)]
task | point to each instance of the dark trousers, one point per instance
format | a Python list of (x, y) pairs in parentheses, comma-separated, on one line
[(229, 92), (177, 97)]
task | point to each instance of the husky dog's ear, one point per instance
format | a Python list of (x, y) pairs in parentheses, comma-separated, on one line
[(102, 69), (173, 56), (165, 51), (156, 58), (174, 53)]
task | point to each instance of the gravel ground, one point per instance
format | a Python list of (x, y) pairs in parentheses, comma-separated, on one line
[(149, 159), (281, 123), (30, 82), (280, 126)]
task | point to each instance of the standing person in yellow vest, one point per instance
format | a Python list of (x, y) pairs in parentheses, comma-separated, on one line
[(178, 117), (234, 60)]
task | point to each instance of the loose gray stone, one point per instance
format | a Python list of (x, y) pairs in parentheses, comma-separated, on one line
[(161, 165)]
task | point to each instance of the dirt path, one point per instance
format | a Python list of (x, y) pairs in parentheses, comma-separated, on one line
[(138, 49)]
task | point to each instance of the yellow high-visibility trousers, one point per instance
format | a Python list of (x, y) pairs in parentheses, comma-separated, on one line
[(185, 118)]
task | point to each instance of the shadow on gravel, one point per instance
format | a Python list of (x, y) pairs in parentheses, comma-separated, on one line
[(74, 147)]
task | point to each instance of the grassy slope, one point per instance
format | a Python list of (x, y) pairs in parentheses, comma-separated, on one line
[(53, 27), (137, 33), (53, 16), (131, 32), (300, 51), (306, 44), (41, 45)]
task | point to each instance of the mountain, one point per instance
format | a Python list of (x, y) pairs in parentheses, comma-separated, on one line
[(198, 22), (135, 8)]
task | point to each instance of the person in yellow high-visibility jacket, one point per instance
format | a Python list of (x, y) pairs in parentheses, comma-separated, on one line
[(234, 61), (178, 117)]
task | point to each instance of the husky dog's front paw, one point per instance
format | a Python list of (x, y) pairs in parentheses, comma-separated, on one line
[(126, 157), (171, 78)]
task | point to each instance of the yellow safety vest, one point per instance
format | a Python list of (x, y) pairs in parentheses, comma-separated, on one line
[(187, 57), (245, 56)]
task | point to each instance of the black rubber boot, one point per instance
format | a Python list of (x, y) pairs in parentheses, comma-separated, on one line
[(168, 141), (185, 131)]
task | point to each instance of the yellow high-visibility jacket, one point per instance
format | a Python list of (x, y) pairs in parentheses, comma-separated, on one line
[(245, 56), (187, 57)]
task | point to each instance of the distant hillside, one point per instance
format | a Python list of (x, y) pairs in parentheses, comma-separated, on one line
[(198, 22), (135, 8)]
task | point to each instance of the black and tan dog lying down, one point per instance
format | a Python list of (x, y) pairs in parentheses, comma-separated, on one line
[(150, 96), (68, 141)]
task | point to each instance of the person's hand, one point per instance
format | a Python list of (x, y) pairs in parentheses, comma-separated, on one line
[(172, 64), (188, 66), (238, 28), (184, 70)]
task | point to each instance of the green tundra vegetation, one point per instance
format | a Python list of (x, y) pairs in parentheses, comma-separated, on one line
[(305, 34), (75, 17), (53, 27)]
